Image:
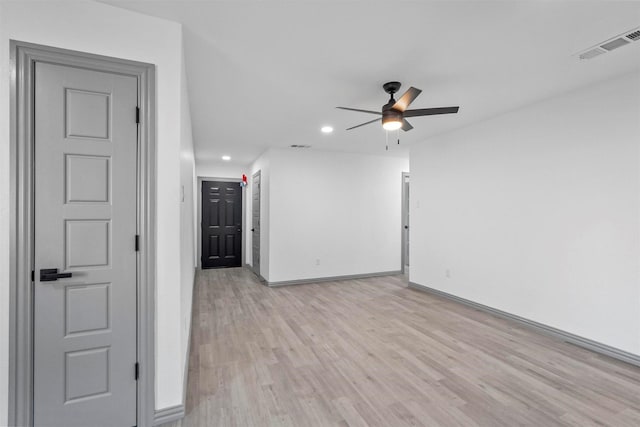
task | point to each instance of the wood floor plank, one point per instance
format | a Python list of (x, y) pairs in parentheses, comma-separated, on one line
[(372, 352)]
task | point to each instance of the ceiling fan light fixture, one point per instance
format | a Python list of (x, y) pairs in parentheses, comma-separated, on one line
[(391, 124), (391, 119)]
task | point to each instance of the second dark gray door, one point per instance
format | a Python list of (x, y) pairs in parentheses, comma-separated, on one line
[(221, 224), (406, 209), (255, 222)]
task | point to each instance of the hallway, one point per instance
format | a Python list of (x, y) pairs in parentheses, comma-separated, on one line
[(373, 352)]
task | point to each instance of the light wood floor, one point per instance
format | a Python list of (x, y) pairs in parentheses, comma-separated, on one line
[(373, 352)]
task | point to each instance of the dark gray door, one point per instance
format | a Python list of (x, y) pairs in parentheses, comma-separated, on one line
[(85, 226), (221, 224), (255, 222)]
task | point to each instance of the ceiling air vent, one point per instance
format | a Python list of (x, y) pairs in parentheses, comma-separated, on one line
[(614, 44), (608, 45), (299, 146), (634, 35), (592, 53)]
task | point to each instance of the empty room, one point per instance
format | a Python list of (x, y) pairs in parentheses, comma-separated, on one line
[(319, 213)]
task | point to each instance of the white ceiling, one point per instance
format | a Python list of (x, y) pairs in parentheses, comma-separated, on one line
[(269, 73)]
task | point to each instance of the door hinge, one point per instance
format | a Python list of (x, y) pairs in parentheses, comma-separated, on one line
[(137, 243), (137, 114), (137, 369)]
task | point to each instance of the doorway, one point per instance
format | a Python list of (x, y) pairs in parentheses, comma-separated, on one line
[(255, 223), (221, 224), (405, 223), (81, 331)]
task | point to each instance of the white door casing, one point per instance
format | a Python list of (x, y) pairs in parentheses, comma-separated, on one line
[(25, 58)]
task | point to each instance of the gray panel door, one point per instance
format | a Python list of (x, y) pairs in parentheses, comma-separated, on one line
[(85, 225), (406, 210), (255, 222)]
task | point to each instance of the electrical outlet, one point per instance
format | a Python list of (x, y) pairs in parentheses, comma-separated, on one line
[(447, 273), (317, 261)]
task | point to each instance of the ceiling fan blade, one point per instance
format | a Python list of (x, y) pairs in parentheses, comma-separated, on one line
[(407, 98), (362, 124), (431, 111), (406, 126), (362, 111)]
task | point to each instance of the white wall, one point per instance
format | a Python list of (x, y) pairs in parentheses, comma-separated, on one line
[(216, 169), (101, 29), (333, 214), (536, 212)]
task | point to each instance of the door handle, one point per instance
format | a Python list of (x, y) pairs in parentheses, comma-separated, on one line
[(51, 274)]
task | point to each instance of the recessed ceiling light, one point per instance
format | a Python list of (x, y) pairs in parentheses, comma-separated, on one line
[(326, 129), (226, 158)]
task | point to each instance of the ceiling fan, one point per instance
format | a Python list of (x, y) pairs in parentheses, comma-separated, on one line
[(394, 112)]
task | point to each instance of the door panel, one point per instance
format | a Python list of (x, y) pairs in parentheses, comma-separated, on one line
[(230, 245), (85, 224), (214, 210), (214, 247), (87, 179), (221, 224), (87, 308), (255, 222)]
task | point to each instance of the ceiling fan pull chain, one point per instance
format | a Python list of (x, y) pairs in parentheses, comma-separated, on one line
[(386, 134), (398, 136)]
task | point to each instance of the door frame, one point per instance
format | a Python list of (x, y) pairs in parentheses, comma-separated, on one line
[(23, 57), (202, 179), (404, 212)]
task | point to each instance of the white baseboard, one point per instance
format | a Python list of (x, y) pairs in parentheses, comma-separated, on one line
[(332, 278), (167, 415), (594, 346)]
